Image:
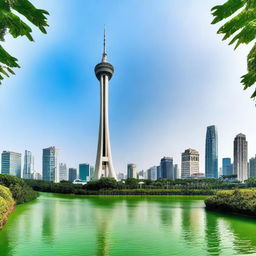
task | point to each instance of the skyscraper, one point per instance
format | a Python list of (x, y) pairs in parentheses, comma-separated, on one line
[(241, 157), (152, 173), (227, 167), (84, 172), (72, 174), (189, 163), (63, 172), (50, 172), (104, 165), (211, 152), (176, 172), (28, 167), (252, 167), (159, 172), (167, 169), (131, 171), (11, 163)]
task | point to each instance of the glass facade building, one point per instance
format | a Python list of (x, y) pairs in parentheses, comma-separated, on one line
[(50, 172), (72, 174), (227, 167), (11, 163), (63, 172), (131, 171), (252, 167), (28, 167), (211, 152), (167, 169), (84, 172)]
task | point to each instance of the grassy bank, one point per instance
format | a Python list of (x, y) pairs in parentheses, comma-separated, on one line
[(235, 201), (7, 204)]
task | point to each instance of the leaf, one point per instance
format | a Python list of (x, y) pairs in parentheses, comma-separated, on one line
[(7, 59)]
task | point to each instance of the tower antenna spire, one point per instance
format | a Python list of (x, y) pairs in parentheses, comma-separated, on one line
[(104, 58)]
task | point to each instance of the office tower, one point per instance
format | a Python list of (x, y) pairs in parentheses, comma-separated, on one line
[(50, 166), (227, 167), (176, 172), (72, 174), (131, 171), (152, 173), (167, 169), (63, 172), (159, 172), (11, 163), (92, 172), (189, 163), (84, 172), (241, 157), (211, 152), (28, 167), (104, 165), (142, 175), (252, 167)]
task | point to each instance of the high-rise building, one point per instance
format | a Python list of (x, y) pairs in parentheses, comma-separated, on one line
[(252, 167), (167, 169), (176, 172), (11, 163), (142, 175), (84, 172), (152, 173), (241, 157), (63, 172), (28, 167), (92, 172), (241, 164), (50, 166), (211, 152), (72, 174), (159, 172), (227, 167), (104, 165), (189, 163), (131, 171)]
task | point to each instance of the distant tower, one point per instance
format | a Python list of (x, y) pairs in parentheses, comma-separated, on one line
[(104, 165), (50, 172), (189, 163), (131, 171), (28, 168), (211, 152), (241, 157)]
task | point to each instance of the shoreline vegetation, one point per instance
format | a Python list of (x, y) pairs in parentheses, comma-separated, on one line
[(238, 201), (13, 191)]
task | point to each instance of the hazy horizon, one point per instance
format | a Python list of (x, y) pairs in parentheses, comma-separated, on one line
[(173, 78)]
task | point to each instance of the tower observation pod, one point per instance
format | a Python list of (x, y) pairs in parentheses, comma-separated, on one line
[(104, 165)]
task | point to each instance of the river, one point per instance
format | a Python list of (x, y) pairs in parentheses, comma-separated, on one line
[(60, 225)]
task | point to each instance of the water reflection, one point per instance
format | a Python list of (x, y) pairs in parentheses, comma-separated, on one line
[(106, 226)]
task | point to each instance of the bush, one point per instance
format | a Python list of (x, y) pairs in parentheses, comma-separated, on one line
[(236, 201), (6, 204), (21, 192)]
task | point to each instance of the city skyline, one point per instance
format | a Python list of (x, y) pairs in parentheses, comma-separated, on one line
[(61, 107)]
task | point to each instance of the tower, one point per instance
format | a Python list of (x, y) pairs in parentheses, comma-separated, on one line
[(241, 157), (211, 152), (104, 165)]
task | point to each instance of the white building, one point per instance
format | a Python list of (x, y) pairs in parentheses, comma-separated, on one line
[(63, 172), (189, 163)]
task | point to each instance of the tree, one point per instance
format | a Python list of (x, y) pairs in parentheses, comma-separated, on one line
[(13, 24), (242, 27)]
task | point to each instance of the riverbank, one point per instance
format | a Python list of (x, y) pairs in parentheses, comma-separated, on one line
[(241, 201), (7, 204)]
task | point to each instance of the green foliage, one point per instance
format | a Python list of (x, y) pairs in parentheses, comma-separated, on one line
[(242, 27), (102, 183), (6, 204), (14, 25), (21, 192), (236, 201)]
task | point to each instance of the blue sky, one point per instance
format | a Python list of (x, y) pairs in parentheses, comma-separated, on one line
[(174, 76)]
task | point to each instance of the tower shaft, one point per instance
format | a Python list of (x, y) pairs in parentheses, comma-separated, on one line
[(104, 165)]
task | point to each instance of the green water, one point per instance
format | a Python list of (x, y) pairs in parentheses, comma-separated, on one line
[(72, 225)]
